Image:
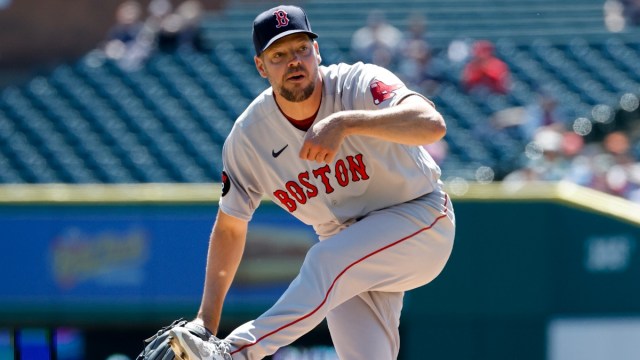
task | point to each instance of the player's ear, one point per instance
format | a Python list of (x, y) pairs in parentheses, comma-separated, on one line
[(317, 47), (260, 66)]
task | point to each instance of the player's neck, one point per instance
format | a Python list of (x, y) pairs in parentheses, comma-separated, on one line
[(303, 109)]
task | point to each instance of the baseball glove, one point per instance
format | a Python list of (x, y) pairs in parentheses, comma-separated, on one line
[(157, 347)]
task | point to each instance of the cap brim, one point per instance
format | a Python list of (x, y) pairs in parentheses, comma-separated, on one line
[(287, 33)]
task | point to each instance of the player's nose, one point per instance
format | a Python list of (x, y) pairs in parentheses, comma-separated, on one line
[(295, 60)]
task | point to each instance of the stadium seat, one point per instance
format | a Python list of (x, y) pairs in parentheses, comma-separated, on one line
[(93, 121)]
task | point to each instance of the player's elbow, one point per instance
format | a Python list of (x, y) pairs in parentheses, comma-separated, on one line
[(430, 125), (441, 126), (436, 127)]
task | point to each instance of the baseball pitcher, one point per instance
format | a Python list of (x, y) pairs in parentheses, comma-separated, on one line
[(340, 148)]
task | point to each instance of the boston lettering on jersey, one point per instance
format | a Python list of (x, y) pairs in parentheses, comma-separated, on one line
[(345, 171)]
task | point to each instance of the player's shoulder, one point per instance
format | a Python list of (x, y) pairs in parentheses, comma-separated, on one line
[(343, 69), (358, 72), (259, 111)]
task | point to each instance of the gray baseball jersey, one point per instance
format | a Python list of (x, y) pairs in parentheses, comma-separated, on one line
[(386, 225), (261, 158)]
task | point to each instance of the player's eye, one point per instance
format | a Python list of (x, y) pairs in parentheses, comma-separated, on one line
[(304, 49), (277, 56)]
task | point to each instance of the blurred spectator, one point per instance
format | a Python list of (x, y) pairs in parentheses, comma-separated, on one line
[(132, 40), (614, 15), (484, 71), (377, 42), (180, 30), (543, 112), (145, 41), (123, 33), (620, 176), (627, 116), (458, 50), (619, 14), (554, 155), (609, 165), (417, 66), (632, 12), (545, 159), (523, 122)]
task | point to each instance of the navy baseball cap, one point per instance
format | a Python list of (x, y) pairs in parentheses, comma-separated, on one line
[(277, 23)]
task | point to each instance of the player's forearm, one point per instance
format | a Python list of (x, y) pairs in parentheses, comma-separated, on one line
[(225, 252), (411, 123)]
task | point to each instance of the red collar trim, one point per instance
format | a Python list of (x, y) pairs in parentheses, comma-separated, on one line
[(304, 124)]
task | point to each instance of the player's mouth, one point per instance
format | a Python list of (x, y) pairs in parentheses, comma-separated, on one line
[(296, 77)]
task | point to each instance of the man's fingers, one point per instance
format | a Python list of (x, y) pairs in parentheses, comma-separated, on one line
[(329, 157), (305, 152), (317, 155), (321, 157)]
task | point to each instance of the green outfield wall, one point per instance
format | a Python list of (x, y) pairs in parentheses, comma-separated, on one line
[(524, 259), (529, 259)]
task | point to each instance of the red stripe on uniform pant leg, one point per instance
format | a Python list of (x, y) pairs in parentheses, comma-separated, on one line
[(326, 296)]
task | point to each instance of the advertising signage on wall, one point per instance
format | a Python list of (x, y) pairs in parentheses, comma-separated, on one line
[(135, 258)]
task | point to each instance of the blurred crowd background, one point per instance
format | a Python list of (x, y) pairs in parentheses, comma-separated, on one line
[(145, 91)]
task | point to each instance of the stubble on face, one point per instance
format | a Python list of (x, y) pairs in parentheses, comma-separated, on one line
[(296, 94), (286, 86)]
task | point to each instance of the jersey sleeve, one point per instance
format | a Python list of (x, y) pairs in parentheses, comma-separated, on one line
[(241, 191), (371, 87)]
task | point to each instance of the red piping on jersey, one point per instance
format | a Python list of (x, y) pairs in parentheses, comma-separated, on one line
[(444, 214)]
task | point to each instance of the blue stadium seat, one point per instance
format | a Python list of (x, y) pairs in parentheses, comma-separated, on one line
[(92, 121), (239, 69), (625, 57), (8, 172)]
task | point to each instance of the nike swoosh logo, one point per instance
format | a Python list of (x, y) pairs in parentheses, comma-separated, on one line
[(275, 154)]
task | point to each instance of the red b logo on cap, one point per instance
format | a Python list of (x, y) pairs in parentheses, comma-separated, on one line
[(281, 18)]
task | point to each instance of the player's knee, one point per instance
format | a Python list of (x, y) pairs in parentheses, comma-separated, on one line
[(318, 259), (315, 256)]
